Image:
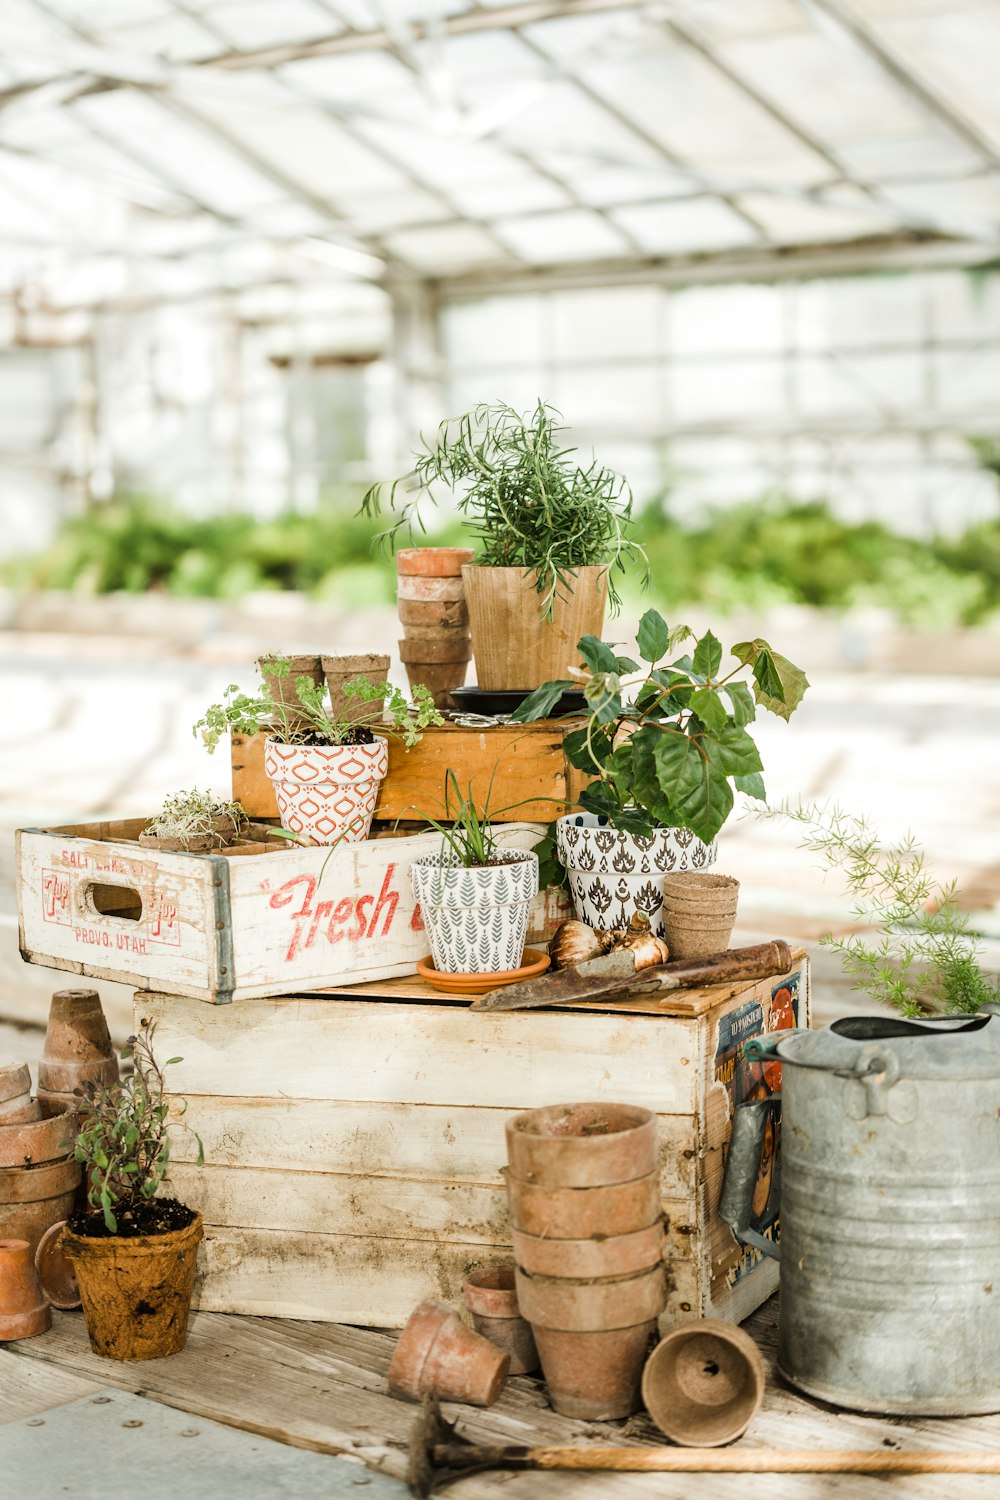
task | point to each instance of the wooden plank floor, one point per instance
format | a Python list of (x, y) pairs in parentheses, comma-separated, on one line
[(323, 1387)]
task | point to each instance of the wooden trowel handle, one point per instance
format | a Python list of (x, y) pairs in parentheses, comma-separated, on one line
[(734, 966)]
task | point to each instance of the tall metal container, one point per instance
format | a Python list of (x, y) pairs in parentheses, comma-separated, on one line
[(890, 1211)]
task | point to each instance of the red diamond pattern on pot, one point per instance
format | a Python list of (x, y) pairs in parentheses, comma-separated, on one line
[(327, 793)]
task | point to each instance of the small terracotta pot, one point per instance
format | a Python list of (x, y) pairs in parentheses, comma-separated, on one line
[(437, 1353), (136, 1293), (15, 1082), (283, 690), (582, 1213), (594, 1376), (704, 1383), (55, 1269), (34, 1198), (432, 562), (37, 1141), (699, 912), (442, 614), (77, 1047), (454, 646), (20, 1111), (491, 1299), (591, 1306), (619, 1255), (340, 670), (582, 1145), (424, 589), (24, 1311)]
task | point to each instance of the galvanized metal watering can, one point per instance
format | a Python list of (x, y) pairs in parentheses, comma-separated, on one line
[(890, 1210)]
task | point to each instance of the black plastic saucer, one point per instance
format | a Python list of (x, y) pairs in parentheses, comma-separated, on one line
[(475, 700)]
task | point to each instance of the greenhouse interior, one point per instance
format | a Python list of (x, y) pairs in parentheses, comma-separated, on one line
[(317, 316)]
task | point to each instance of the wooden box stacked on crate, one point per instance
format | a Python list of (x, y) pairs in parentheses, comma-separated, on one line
[(354, 1143)]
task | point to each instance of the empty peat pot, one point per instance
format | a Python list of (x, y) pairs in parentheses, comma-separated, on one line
[(699, 912), (437, 1354), (24, 1311), (582, 1145), (703, 1384), (491, 1298)]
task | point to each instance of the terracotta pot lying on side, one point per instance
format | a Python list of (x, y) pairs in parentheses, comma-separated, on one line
[(491, 1298), (704, 1383), (136, 1293), (582, 1145), (437, 1354)]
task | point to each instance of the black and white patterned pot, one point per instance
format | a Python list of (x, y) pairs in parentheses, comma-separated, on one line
[(614, 874), (476, 919)]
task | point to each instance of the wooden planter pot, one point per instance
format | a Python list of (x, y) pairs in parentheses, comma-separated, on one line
[(513, 646)]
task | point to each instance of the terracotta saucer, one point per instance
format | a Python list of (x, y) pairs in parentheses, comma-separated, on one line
[(55, 1270), (535, 962)]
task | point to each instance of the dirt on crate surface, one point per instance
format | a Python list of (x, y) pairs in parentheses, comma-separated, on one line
[(158, 1216)]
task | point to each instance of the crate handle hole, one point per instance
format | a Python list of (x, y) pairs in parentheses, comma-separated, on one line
[(119, 901)]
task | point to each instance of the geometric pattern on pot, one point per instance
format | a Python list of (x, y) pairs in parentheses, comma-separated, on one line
[(476, 919), (327, 793), (613, 874)]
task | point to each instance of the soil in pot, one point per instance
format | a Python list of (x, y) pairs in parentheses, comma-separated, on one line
[(136, 1285), (513, 645)]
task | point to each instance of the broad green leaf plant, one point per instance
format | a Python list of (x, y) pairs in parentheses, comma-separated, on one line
[(313, 722), (123, 1137), (532, 502), (672, 751)]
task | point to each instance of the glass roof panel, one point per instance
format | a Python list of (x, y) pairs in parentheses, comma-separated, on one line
[(684, 228), (546, 239), (248, 24)]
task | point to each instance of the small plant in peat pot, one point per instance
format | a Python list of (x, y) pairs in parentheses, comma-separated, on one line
[(196, 822), (133, 1252), (326, 770), (474, 894), (666, 755), (553, 531)]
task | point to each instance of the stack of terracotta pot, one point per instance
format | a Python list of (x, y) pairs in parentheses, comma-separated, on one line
[(39, 1175), (436, 648), (584, 1192), (77, 1049)]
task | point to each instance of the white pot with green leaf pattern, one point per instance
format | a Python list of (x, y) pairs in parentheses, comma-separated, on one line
[(476, 915)]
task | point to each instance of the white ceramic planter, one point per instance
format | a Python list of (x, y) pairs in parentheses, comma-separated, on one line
[(613, 874), (327, 793), (476, 919)]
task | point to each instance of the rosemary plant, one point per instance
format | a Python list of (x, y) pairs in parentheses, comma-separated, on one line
[(918, 954), (532, 503)]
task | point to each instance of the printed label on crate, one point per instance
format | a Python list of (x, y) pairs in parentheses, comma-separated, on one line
[(371, 915), (108, 904), (748, 1082)]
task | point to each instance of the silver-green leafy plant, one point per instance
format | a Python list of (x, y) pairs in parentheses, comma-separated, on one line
[(917, 953), (123, 1136), (531, 502), (672, 751), (313, 722), (192, 814)]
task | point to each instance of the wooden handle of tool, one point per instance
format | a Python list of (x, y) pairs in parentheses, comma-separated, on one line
[(734, 966), (718, 1460)]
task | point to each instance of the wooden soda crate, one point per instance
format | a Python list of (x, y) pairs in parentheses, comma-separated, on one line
[(263, 919), (354, 1146), (525, 761)]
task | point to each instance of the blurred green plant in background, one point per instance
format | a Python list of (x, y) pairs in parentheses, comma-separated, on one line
[(757, 555)]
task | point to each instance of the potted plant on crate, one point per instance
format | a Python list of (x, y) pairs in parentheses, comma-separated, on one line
[(475, 895), (326, 769), (196, 822), (552, 530), (666, 758), (133, 1252)]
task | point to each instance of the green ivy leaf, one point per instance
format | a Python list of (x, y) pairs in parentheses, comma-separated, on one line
[(699, 792), (582, 757), (732, 751), (752, 785), (708, 655), (740, 696), (626, 664), (598, 656), (779, 685), (653, 637), (710, 709), (540, 703)]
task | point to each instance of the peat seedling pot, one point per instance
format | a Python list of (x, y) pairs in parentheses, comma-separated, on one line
[(340, 670), (476, 916), (491, 1298), (437, 1354), (613, 874), (327, 793), (513, 645), (282, 687), (24, 1311), (136, 1293), (699, 912), (703, 1384), (582, 1145)]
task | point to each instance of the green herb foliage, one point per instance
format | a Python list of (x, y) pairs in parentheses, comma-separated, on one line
[(250, 713), (919, 954), (192, 813), (532, 503), (123, 1139), (674, 751)]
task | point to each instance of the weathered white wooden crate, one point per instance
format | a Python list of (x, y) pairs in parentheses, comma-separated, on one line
[(219, 927), (354, 1146)]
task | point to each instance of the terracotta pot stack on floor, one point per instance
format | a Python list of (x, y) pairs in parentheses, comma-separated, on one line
[(584, 1193), (38, 1176), (436, 647)]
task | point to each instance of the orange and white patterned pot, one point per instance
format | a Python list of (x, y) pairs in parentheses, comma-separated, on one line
[(327, 793)]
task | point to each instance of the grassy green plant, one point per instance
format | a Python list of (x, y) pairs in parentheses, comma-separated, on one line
[(674, 752), (529, 500), (123, 1138), (191, 814), (249, 713), (918, 953)]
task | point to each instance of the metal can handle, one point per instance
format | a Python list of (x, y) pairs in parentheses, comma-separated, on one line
[(742, 1163)]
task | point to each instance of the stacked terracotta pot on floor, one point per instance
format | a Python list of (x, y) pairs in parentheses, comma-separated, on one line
[(584, 1192), (436, 647), (39, 1176)]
